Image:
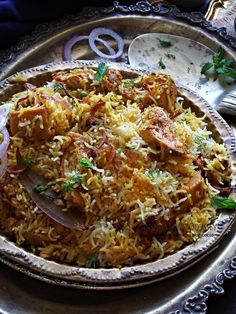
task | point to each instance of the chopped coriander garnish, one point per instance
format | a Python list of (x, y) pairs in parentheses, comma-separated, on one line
[(29, 161), (220, 65), (128, 83), (152, 173), (85, 162), (101, 71), (161, 64), (184, 120), (220, 202), (68, 186), (207, 66), (39, 188), (57, 87), (91, 262), (165, 43), (201, 139), (170, 56)]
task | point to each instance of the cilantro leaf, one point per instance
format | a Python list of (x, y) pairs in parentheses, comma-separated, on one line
[(207, 66), (128, 83), (170, 56), (91, 262), (218, 56), (165, 43), (226, 71), (101, 71), (220, 65), (57, 87), (39, 188), (68, 185), (220, 202), (161, 64), (29, 161), (85, 162), (152, 173)]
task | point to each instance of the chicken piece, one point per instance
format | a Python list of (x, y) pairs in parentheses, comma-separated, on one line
[(70, 163), (162, 91), (74, 152), (36, 238), (157, 225), (112, 80), (95, 110), (158, 132), (30, 123), (76, 79)]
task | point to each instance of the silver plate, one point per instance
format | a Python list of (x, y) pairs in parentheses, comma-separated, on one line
[(126, 277), (207, 276)]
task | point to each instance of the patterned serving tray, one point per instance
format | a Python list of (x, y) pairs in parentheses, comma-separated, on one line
[(189, 290)]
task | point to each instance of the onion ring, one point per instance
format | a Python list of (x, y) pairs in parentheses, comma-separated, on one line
[(94, 36), (68, 46), (4, 111), (67, 56), (5, 142)]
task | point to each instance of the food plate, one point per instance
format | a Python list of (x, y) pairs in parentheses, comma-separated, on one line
[(113, 278), (186, 292)]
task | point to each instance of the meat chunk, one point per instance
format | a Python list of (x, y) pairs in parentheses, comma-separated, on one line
[(36, 238), (75, 79), (157, 225), (30, 123), (159, 132), (112, 80), (161, 90)]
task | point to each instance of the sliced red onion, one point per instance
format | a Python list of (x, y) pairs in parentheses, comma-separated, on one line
[(4, 111), (69, 45), (106, 44), (30, 86), (5, 142), (67, 56), (3, 165), (94, 36)]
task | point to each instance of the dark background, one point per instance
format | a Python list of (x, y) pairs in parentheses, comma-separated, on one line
[(19, 17)]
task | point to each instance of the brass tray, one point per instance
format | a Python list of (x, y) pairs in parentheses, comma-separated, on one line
[(187, 293)]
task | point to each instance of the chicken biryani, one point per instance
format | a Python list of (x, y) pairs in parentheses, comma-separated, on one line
[(124, 154)]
